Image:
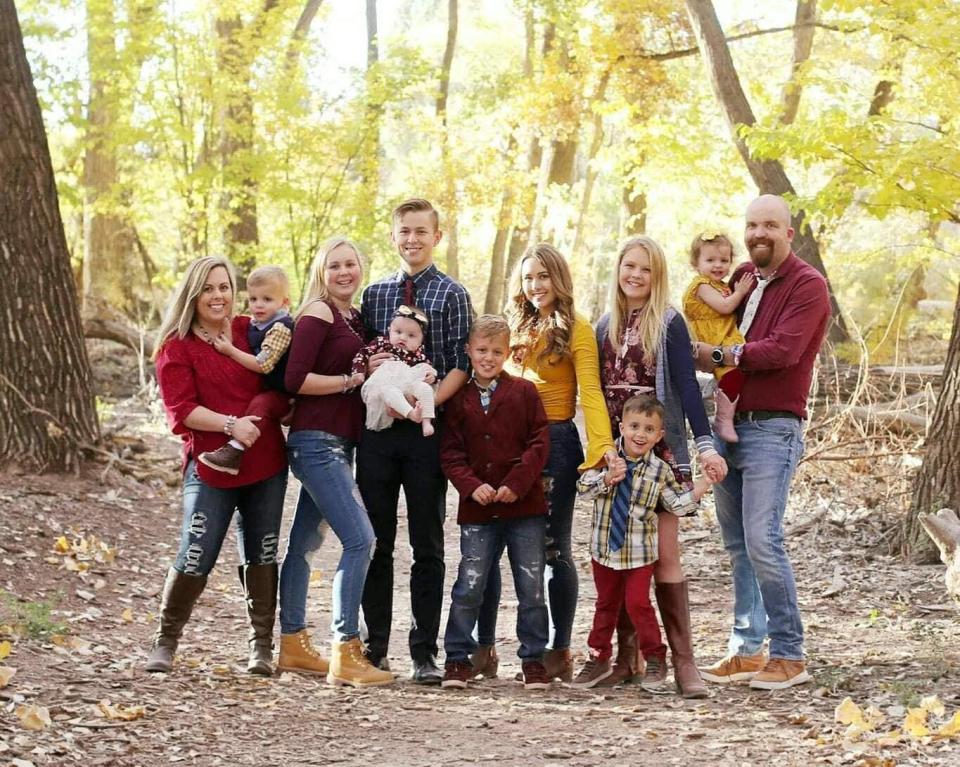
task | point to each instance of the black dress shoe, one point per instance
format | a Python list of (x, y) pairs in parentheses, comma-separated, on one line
[(426, 672)]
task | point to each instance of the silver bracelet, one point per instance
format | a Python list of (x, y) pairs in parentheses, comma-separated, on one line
[(229, 424), (346, 380)]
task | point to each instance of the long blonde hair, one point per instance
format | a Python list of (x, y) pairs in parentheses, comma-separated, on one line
[(317, 286), (650, 322), (182, 309), (523, 316)]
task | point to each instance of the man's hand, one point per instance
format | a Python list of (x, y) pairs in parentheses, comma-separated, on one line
[(505, 495), (484, 495), (376, 360)]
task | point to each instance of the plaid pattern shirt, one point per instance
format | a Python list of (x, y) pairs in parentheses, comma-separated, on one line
[(446, 303), (652, 482), (485, 394), (274, 346)]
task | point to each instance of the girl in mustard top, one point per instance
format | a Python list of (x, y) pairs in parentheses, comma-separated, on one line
[(554, 348)]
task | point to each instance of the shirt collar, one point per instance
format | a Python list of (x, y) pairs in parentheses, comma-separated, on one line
[(266, 323), (424, 275)]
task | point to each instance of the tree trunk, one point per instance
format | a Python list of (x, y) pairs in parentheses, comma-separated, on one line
[(591, 179), (937, 485), (369, 164), (803, 31), (496, 279), (449, 202), (46, 403), (634, 212), (768, 175)]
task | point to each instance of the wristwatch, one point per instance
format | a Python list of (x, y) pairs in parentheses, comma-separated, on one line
[(717, 355)]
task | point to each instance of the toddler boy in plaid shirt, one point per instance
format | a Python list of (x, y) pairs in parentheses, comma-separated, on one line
[(623, 542)]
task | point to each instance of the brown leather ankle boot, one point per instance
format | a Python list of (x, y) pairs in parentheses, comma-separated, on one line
[(485, 661), (675, 612), (180, 594), (260, 588), (559, 664)]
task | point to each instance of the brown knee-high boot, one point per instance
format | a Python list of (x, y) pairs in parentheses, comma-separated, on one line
[(675, 612), (180, 594), (260, 587)]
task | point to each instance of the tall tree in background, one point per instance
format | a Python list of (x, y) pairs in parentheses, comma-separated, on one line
[(768, 175), (449, 198), (46, 404)]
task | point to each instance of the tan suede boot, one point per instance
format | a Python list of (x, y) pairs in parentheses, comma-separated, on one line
[(180, 594), (349, 666), (297, 654), (559, 664), (675, 612), (485, 661), (723, 418)]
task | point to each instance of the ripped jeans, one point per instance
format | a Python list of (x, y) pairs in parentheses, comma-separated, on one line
[(480, 545), (207, 512), (324, 464)]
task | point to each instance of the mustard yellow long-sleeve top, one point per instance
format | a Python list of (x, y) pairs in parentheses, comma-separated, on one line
[(558, 382)]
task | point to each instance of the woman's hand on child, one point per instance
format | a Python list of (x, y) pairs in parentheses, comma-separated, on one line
[(245, 430), (714, 467), (484, 494), (355, 380), (376, 360), (505, 495)]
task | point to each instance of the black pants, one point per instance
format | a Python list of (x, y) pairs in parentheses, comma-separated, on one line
[(386, 461)]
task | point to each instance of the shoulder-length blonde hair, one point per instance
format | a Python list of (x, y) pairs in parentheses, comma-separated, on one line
[(182, 308), (557, 329), (317, 286), (650, 321)]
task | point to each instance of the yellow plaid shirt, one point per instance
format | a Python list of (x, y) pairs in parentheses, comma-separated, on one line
[(652, 482), (274, 346)]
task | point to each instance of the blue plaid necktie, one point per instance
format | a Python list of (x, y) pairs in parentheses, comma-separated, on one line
[(620, 511)]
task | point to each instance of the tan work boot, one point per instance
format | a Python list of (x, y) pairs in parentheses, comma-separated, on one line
[(349, 666), (485, 661), (297, 654), (734, 668), (780, 673)]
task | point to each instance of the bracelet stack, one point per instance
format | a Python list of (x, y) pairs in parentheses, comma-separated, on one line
[(229, 424)]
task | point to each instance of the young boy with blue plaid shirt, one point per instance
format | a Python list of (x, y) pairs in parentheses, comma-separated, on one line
[(623, 542)]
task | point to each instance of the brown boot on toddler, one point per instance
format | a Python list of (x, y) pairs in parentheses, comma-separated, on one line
[(225, 459)]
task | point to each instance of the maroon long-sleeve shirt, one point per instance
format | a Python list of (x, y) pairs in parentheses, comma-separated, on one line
[(784, 339)]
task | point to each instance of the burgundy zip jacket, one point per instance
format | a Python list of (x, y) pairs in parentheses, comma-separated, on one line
[(507, 445)]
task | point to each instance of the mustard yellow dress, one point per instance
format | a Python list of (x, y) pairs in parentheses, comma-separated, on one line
[(707, 324)]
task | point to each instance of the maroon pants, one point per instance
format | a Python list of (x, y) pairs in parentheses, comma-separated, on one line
[(618, 588), (272, 405)]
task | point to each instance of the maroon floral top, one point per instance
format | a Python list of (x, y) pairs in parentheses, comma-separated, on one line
[(622, 377)]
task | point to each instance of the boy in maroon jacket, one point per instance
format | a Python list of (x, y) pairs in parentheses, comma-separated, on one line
[(494, 446)]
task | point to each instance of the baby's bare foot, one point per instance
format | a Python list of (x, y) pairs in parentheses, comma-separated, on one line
[(427, 427), (416, 414)]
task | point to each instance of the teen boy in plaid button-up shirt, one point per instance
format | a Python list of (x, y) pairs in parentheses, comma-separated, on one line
[(623, 543)]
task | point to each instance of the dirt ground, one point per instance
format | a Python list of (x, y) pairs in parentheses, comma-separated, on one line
[(82, 560)]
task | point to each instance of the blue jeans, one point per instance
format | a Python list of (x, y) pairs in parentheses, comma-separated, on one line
[(480, 545), (324, 464), (750, 506), (560, 487), (207, 512)]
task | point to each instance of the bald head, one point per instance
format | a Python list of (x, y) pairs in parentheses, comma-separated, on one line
[(768, 232)]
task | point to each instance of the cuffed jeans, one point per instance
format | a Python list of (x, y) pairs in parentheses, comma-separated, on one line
[(207, 512), (480, 545), (324, 465), (560, 487), (751, 502)]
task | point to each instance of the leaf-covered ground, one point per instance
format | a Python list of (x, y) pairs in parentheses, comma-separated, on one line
[(82, 560)]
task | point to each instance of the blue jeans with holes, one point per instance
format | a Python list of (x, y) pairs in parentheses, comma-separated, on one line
[(207, 512), (751, 502), (479, 546), (324, 464)]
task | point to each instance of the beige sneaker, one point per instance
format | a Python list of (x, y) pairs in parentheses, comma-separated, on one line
[(780, 673), (734, 668), (593, 672), (349, 666), (297, 654)]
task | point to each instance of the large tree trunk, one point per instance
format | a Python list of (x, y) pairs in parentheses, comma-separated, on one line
[(803, 29), (768, 175), (938, 483), (46, 403), (449, 202), (369, 164)]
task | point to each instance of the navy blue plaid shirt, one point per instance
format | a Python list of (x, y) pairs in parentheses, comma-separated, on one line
[(448, 309)]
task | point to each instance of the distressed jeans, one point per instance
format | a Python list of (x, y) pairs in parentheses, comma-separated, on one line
[(479, 546), (751, 502), (324, 465), (207, 512)]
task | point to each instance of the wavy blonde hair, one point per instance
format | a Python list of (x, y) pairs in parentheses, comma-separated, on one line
[(523, 316), (650, 322), (317, 287), (182, 308)]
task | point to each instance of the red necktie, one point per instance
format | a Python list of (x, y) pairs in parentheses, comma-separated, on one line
[(409, 291)]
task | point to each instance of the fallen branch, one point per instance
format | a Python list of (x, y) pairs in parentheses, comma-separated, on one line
[(111, 330)]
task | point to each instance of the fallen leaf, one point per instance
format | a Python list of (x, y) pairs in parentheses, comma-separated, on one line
[(5, 648), (122, 713), (33, 717), (6, 674), (61, 545), (950, 730), (932, 705), (86, 595), (915, 723), (127, 615)]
